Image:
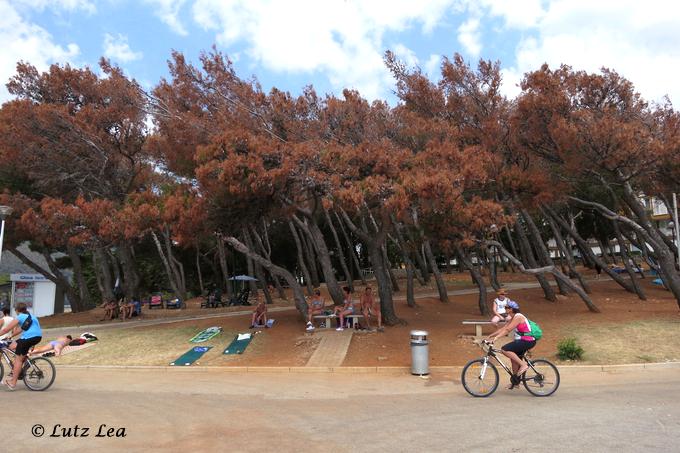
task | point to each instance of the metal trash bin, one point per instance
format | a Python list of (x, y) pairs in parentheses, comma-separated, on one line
[(419, 353)]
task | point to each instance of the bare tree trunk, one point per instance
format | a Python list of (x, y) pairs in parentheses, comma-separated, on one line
[(441, 285), (259, 274), (569, 258), (352, 250), (410, 268), (341, 254), (103, 270), (198, 270), (477, 278), (491, 264), (512, 244), (130, 278), (222, 254), (167, 264), (316, 236), (301, 261), (311, 258), (298, 294), (541, 250), (586, 250), (531, 261), (551, 269), (626, 263), (83, 291)]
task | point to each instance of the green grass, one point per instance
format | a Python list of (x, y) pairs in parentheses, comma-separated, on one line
[(634, 342), (147, 346)]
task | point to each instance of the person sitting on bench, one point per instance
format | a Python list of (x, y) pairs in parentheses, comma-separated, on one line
[(316, 307), (368, 309), (259, 314), (347, 308), (54, 345), (499, 304)]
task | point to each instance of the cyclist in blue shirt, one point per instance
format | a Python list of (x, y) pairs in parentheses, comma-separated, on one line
[(31, 334)]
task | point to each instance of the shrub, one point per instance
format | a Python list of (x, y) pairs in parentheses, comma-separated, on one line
[(568, 349)]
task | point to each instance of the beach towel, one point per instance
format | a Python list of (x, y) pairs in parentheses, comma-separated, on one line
[(270, 323), (206, 334), (67, 350), (240, 343), (191, 356)]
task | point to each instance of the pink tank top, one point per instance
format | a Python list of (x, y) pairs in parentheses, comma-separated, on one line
[(523, 327)]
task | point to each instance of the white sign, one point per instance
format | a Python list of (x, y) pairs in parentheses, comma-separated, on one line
[(28, 278)]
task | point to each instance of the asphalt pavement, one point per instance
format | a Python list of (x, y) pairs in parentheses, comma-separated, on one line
[(624, 409)]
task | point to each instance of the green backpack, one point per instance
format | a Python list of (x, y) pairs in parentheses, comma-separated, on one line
[(536, 331)]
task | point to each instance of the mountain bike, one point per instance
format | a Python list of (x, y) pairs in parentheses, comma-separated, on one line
[(38, 373), (480, 376)]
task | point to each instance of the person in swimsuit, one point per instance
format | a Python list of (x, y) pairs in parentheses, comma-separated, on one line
[(516, 349), (54, 345), (259, 314), (316, 307), (368, 308), (347, 308)]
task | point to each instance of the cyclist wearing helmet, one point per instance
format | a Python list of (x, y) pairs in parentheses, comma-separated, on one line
[(516, 349)]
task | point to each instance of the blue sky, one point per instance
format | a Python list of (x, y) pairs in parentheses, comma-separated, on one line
[(334, 44)]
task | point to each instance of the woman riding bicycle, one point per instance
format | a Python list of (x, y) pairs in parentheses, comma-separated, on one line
[(516, 349), (31, 334)]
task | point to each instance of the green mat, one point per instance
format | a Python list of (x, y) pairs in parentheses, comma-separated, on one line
[(191, 355), (206, 334), (238, 346)]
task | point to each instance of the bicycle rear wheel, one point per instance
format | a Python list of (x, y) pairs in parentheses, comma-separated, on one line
[(2, 369), (544, 380), (40, 374), (480, 379)]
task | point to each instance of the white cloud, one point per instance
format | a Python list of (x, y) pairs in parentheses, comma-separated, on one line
[(67, 5), (432, 67), (28, 42), (342, 39), (470, 37), (639, 40), (168, 12), (118, 49)]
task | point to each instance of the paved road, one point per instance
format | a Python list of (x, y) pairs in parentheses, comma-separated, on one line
[(187, 410)]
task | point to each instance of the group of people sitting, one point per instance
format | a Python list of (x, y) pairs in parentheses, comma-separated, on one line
[(122, 309), (366, 307)]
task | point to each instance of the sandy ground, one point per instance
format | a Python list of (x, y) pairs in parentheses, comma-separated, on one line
[(287, 344), (626, 410)]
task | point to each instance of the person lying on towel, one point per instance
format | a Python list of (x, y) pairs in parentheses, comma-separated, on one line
[(259, 314), (55, 345)]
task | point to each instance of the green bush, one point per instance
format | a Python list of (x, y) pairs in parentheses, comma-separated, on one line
[(568, 349)]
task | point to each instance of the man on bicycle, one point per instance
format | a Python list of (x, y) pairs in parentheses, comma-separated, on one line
[(31, 334)]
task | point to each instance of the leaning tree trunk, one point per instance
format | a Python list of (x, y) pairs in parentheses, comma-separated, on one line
[(130, 277), (382, 279), (222, 254), (531, 261), (477, 278), (316, 236), (298, 294), (166, 263), (569, 258), (311, 259), (410, 268), (103, 270), (511, 241), (198, 269), (626, 261), (586, 250), (441, 286), (551, 269), (352, 251), (541, 250), (259, 273), (341, 254), (83, 291), (301, 260), (490, 259)]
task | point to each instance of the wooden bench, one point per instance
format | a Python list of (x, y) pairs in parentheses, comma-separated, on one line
[(327, 319), (478, 323)]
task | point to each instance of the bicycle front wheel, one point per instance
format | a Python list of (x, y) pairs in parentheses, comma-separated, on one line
[(2, 369), (39, 374), (542, 378), (480, 378)]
